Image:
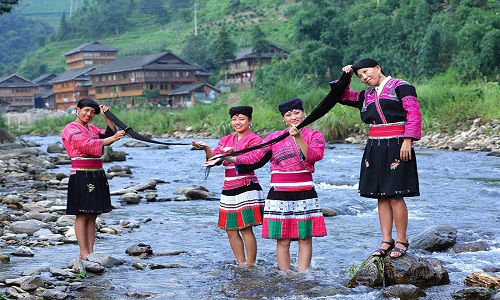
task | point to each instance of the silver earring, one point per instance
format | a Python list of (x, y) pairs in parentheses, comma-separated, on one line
[(379, 74), (250, 126)]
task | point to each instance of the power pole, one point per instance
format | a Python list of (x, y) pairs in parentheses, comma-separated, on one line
[(70, 7), (195, 25)]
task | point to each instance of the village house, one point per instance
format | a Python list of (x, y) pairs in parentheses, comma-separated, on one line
[(188, 95), (17, 93), (90, 54), (130, 76), (46, 99), (247, 61), (95, 71), (71, 86)]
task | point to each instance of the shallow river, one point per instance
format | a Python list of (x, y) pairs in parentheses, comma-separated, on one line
[(460, 189)]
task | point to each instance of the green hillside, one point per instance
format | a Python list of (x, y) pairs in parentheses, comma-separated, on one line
[(414, 39), (49, 11)]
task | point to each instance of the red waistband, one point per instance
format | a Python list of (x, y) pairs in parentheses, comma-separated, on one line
[(291, 177), (387, 130), (86, 163)]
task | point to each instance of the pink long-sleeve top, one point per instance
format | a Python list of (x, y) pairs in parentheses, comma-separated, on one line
[(233, 180), (286, 154), (83, 142), (398, 102)]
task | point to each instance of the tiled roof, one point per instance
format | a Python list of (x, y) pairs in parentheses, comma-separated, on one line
[(74, 74), (6, 84), (248, 52), (188, 88), (92, 47), (145, 62), (44, 77)]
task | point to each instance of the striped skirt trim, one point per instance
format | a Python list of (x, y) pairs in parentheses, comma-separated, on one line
[(243, 207), (293, 215)]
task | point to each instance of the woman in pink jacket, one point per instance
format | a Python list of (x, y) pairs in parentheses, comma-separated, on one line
[(88, 189), (242, 198)]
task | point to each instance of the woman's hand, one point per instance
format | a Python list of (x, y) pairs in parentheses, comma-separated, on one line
[(226, 149), (347, 69), (215, 160), (115, 137), (405, 152), (118, 135), (104, 109), (294, 131), (199, 145)]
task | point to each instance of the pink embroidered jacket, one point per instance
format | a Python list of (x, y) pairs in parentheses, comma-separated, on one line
[(398, 102), (286, 154), (80, 142), (233, 180)]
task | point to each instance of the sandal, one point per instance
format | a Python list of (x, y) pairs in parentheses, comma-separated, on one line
[(399, 250), (382, 251)]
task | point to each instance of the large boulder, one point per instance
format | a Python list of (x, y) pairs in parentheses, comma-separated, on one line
[(410, 269), (407, 269), (195, 192), (6, 137), (111, 155), (29, 227), (435, 238)]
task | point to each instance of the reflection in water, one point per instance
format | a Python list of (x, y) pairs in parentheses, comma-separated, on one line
[(458, 189)]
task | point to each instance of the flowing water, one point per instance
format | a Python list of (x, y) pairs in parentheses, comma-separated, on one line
[(460, 189)]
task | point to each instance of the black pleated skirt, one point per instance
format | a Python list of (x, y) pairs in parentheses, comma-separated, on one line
[(384, 174), (88, 193)]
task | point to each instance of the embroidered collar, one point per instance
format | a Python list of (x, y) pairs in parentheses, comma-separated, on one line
[(380, 87)]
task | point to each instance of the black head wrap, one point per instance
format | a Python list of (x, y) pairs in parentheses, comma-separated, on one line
[(244, 110), (288, 105), (88, 102), (366, 63)]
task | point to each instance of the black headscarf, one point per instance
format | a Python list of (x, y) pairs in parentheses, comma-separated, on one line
[(244, 110), (88, 102), (291, 104), (366, 63)]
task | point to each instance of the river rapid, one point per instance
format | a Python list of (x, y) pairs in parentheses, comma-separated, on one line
[(461, 189)]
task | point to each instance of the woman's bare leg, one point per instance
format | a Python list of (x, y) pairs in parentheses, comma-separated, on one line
[(283, 254), (250, 245), (305, 254), (237, 246)]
